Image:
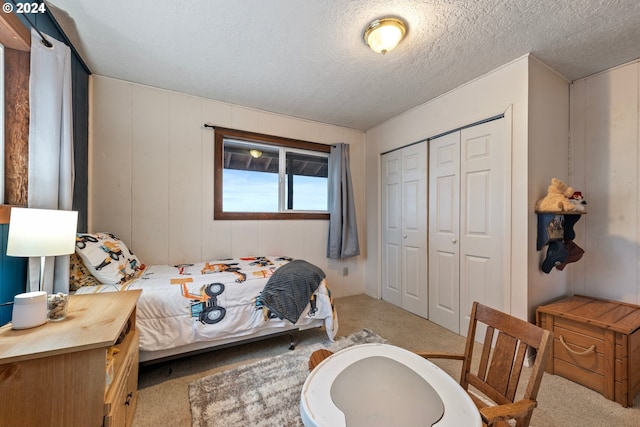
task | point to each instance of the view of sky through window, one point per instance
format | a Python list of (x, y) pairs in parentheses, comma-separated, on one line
[(250, 191)]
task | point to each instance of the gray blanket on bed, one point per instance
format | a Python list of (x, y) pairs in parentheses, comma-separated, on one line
[(290, 288)]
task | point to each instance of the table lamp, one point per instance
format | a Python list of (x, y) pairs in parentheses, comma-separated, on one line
[(43, 233)]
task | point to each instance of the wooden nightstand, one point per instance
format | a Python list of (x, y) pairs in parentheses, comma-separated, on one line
[(55, 374)]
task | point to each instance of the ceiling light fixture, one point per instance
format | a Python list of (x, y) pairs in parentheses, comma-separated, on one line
[(255, 153), (384, 34)]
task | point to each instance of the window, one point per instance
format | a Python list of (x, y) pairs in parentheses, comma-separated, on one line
[(266, 177)]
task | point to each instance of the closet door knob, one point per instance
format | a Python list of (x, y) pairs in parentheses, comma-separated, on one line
[(404, 236), (454, 240)]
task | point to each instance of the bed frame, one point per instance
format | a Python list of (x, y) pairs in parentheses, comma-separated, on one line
[(157, 356), (252, 330)]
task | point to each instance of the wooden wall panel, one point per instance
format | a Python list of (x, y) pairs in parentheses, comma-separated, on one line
[(151, 180), (184, 168), (150, 174), (5, 214), (110, 160), (13, 34), (17, 64), (606, 157)]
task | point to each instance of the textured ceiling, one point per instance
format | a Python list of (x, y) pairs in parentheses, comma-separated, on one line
[(306, 58)]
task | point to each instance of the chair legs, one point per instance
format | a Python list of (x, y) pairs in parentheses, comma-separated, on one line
[(317, 357)]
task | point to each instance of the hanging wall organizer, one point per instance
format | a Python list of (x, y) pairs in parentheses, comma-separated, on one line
[(556, 231)]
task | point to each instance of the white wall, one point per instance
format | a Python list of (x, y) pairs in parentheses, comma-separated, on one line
[(535, 101), (605, 164), (504, 90), (151, 175), (151, 180), (548, 158)]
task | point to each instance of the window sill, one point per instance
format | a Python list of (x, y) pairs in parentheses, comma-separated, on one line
[(268, 216)]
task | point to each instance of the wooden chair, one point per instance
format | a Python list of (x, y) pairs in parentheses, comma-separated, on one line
[(317, 357), (499, 368)]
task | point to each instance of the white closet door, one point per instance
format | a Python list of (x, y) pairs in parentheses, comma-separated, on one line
[(467, 217), (482, 217), (414, 230), (404, 229), (444, 222), (391, 199)]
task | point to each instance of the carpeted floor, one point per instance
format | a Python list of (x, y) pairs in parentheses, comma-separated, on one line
[(264, 393), (164, 395)]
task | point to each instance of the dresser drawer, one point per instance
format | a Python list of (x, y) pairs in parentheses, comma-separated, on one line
[(121, 396)]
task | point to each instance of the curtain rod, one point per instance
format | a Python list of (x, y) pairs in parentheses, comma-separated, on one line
[(44, 41)]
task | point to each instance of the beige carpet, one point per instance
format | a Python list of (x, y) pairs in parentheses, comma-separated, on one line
[(164, 399), (264, 393)]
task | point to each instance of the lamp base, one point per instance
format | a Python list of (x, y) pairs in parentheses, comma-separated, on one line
[(29, 310)]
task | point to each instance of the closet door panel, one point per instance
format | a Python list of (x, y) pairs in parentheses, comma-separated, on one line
[(478, 202), (412, 261), (477, 271), (414, 230), (444, 219), (391, 277), (467, 212), (482, 199), (404, 228), (445, 289)]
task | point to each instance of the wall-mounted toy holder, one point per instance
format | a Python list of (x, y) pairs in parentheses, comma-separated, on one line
[(556, 231)]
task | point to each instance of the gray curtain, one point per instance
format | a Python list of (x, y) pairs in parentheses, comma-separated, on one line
[(343, 231), (51, 170)]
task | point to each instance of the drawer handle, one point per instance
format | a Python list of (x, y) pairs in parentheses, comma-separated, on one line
[(578, 353)]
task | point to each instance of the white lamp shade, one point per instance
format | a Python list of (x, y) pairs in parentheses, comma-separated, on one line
[(41, 232)]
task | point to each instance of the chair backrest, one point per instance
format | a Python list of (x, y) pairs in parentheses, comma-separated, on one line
[(499, 368)]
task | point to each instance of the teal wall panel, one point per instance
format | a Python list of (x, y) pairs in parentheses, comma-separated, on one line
[(13, 276)]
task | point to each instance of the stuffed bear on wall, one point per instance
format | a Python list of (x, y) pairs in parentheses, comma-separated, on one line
[(557, 198)]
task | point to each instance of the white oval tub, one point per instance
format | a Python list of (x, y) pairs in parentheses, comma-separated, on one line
[(383, 385)]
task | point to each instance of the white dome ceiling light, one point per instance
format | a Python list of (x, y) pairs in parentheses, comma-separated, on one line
[(384, 34)]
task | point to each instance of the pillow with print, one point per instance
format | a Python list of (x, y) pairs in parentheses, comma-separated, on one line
[(79, 274), (108, 258)]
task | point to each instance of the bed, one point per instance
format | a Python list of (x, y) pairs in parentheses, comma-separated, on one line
[(190, 307)]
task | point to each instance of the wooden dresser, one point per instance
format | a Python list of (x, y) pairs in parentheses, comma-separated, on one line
[(596, 343), (55, 374)]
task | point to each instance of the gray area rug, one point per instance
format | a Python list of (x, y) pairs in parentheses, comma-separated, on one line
[(263, 393)]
